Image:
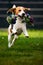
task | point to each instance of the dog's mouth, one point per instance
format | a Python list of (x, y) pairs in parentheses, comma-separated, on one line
[(22, 16)]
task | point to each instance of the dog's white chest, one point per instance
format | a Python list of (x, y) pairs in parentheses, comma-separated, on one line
[(19, 24)]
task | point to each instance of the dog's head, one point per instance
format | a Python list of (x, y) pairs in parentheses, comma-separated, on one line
[(19, 11)]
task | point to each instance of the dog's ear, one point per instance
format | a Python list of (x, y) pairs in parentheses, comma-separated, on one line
[(12, 10), (27, 9)]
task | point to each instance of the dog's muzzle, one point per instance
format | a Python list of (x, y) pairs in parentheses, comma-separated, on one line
[(23, 15)]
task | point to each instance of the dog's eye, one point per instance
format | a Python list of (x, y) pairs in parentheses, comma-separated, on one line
[(25, 11), (19, 10)]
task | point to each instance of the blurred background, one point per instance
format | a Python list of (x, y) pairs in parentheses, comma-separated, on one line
[(36, 11)]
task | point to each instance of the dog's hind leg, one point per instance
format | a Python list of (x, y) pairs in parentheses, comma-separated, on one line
[(15, 37), (9, 36), (10, 44), (9, 40)]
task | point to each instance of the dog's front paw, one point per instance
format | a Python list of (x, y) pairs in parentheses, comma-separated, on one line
[(27, 36)]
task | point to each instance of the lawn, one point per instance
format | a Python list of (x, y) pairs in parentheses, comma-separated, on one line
[(25, 51)]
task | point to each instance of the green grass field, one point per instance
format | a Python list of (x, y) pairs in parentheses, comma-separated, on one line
[(25, 51)]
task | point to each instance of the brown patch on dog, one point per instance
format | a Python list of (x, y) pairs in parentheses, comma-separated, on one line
[(17, 9), (11, 30), (11, 10)]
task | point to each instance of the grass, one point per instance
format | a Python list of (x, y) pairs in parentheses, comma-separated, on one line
[(25, 51)]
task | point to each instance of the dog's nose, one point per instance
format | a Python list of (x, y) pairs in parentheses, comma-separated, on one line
[(23, 14)]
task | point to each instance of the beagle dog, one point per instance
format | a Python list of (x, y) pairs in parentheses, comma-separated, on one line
[(19, 26)]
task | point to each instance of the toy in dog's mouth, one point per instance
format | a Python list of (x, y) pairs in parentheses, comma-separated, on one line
[(32, 20)]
